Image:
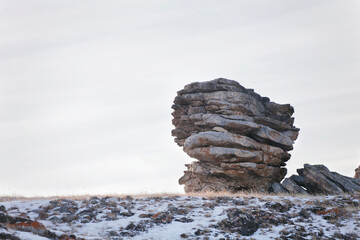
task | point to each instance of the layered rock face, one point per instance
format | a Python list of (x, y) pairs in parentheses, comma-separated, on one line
[(357, 173), (240, 138), (318, 179)]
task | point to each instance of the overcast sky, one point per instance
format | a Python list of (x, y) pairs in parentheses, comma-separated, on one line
[(86, 87)]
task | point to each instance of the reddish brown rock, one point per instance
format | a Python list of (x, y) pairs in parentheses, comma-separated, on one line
[(240, 138), (27, 225), (357, 173)]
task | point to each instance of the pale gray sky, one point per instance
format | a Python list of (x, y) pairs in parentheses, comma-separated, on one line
[(86, 87)]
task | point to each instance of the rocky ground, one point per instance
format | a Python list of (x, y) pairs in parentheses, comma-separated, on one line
[(183, 217)]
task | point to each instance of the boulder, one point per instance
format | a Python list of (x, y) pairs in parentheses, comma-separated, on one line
[(240, 139), (318, 179), (278, 188), (292, 187), (298, 180), (357, 173)]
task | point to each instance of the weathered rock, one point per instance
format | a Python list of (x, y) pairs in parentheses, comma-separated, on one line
[(318, 179), (8, 236), (240, 222), (298, 180), (278, 188), (240, 138), (24, 225), (357, 173), (316, 182), (347, 184), (292, 187), (202, 176)]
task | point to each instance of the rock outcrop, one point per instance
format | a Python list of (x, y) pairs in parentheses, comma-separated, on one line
[(318, 179), (357, 173), (240, 138)]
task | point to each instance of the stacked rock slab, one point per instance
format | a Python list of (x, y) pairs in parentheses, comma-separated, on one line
[(240, 138), (318, 179)]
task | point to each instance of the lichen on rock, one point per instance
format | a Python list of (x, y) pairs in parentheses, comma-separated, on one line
[(240, 138)]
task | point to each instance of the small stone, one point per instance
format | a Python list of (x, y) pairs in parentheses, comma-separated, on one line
[(304, 213), (69, 218), (55, 219), (162, 218), (113, 233), (183, 235), (2, 208), (199, 232), (279, 207), (8, 236), (127, 214), (146, 215), (184, 220)]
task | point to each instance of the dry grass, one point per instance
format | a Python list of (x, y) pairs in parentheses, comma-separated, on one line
[(86, 196), (165, 194)]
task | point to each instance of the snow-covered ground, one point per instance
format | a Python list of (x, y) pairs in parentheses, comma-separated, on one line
[(183, 217)]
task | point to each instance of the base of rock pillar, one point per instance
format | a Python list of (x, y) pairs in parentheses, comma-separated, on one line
[(206, 177)]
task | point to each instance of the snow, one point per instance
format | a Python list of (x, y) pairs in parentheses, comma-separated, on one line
[(205, 212)]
